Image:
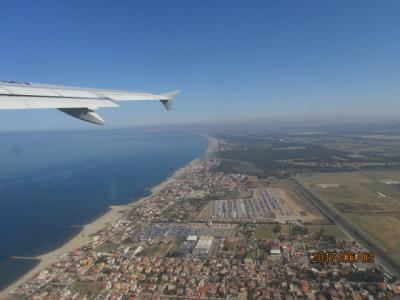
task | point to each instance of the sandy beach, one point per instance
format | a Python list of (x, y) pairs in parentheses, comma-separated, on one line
[(80, 239), (212, 144), (111, 216)]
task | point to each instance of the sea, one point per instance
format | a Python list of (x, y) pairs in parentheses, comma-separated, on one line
[(53, 183)]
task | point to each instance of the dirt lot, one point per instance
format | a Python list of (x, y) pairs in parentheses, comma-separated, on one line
[(300, 206)]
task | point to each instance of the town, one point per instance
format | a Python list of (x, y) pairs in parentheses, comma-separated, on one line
[(213, 235)]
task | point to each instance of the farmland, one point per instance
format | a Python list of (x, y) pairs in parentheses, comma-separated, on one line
[(369, 200)]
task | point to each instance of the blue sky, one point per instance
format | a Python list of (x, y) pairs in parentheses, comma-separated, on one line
[(233, 60)]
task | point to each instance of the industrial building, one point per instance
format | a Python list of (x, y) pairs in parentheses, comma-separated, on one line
[(203, 246)]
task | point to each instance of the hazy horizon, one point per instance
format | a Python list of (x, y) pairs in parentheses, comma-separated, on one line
[(300, 123)]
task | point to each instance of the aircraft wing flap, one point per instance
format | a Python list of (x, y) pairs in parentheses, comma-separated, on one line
[(27, 102), (47, 92), (29, 91), (71, 93), (4, 91)]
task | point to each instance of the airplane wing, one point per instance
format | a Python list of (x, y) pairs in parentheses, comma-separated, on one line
[(78, 102)]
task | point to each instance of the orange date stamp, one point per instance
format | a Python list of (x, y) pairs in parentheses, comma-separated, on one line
[(342, 257)]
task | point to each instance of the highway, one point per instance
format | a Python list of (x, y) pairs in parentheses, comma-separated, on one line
[(362, 238)]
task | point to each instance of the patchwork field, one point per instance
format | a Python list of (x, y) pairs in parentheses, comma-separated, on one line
[(369, 200)]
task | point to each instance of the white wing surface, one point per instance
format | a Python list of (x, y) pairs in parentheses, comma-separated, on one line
[(77, 102)]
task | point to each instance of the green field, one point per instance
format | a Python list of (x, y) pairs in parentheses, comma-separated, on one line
[(88, 289), (156, 250), (366, 201), (329, 230), (229, 246), (385, 229), (266, 231), (251, 254), (107, 247), (164, 249), (176, 244)]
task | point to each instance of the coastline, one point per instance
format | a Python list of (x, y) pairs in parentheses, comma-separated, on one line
[(47, 259), (111, 216), (212, 144)]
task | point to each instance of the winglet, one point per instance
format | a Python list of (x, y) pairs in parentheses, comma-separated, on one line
[(167, 99)]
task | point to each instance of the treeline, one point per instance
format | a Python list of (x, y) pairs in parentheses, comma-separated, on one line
[(270, 160)]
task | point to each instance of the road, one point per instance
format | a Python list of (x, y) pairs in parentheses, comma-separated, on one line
[(392, 266)]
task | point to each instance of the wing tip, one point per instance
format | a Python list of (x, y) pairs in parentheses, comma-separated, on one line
[(167, 99), (170, 95)]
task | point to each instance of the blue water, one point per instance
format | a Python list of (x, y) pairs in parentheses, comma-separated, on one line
[(53, 183)]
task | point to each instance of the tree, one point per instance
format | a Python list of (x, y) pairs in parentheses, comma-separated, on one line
[(331, 239), (300, 230), (321, 233), (277, 228)]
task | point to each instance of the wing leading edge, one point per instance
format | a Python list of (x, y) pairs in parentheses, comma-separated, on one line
[(77, 102)]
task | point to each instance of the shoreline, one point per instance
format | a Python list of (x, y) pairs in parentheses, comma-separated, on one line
[(82, 237), (213, 144), (114, 213)]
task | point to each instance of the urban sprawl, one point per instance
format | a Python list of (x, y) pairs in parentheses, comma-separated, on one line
[(214, 235)]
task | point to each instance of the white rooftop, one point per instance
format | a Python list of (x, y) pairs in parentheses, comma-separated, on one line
[(192, 238)]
